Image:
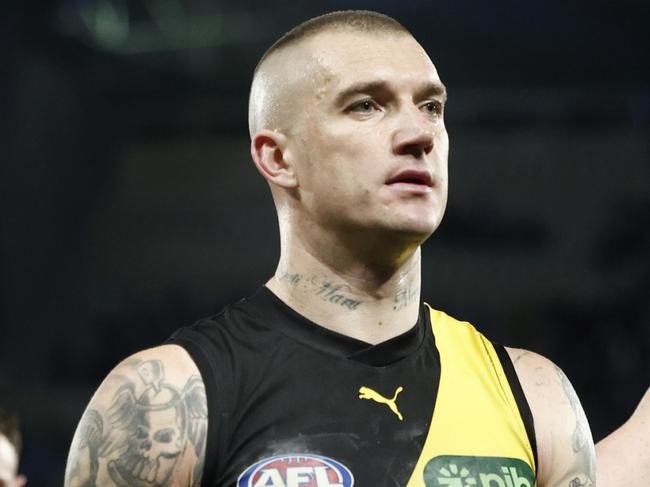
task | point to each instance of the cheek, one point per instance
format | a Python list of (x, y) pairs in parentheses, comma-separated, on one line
[(336, 159)]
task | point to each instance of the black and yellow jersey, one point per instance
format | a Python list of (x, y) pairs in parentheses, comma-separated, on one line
[(293, 404)]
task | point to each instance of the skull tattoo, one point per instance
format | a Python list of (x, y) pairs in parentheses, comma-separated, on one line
[(157, 430), (142, 437)]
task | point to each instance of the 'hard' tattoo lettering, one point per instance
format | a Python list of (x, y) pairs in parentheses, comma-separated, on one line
[(337, 294), (140, 439), (329, 291)]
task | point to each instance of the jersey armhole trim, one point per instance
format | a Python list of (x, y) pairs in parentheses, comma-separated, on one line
[(520, 398), (209, 382)]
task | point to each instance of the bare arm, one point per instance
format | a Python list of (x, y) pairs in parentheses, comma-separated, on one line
[(624, 456), (146, 425), (564, 443)]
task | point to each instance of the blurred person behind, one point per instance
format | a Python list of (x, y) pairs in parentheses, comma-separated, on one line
[(10, 445)]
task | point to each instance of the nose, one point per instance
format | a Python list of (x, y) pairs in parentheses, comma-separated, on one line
[(414, 134)]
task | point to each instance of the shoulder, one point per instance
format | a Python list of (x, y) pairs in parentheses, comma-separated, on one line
[(564, 442), (149, 373), (146, 422), (547, 389), (234, 321), (174, 357)]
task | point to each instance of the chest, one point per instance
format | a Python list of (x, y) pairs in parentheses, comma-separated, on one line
[(307, 420)]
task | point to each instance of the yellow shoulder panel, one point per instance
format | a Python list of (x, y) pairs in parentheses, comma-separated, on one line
[(476, 436)]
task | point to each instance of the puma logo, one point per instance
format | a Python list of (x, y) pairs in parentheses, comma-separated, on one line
[(367, 393)]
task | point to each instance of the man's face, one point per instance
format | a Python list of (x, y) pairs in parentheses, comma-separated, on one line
[(369, 140)]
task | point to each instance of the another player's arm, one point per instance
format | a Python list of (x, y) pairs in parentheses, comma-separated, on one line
[(565, 447), (145, 425), (624, 456)]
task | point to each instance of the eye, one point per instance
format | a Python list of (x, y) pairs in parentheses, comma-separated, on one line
[(432, 108), (363, 106)]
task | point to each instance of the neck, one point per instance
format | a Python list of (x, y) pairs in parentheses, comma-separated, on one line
[(354, 297)]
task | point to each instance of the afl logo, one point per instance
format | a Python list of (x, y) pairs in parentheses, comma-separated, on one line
[(296, 470)]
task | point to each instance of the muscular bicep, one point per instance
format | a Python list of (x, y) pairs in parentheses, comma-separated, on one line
[(146, 425), (564, 442)]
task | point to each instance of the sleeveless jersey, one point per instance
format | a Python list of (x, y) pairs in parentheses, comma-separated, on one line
[(292, 404)]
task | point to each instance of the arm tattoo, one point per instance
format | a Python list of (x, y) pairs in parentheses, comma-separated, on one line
[(88, 437), (521, 354), (149, 426), (584, 472)]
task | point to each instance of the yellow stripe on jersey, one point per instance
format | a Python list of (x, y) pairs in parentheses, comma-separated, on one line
[(476, 420)]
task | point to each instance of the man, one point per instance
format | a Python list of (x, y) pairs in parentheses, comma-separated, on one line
[(10, 444), (334, 373)]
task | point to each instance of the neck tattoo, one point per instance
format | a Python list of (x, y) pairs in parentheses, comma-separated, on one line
[(329, 291), (342, 295)]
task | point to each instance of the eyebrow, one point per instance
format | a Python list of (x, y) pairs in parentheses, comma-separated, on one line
[(427, 89)]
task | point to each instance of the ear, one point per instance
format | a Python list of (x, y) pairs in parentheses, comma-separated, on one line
[(269, 152)]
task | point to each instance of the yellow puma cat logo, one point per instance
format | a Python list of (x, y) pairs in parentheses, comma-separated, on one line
[(367, 393)]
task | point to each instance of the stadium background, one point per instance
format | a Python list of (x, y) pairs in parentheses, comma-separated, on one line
[(130, 206)]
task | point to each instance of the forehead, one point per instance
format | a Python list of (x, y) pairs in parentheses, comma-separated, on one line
[(340, 58)]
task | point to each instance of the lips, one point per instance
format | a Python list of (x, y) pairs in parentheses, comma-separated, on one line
[(412, 176)]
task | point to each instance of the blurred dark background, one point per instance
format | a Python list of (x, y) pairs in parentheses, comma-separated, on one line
[(130, 206)]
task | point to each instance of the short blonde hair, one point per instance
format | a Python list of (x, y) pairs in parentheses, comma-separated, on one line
[(353, 20)]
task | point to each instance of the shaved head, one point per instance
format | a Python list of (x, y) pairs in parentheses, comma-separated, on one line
[(289, 67)]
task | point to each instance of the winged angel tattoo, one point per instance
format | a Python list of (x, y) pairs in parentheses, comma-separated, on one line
[(140, 439)]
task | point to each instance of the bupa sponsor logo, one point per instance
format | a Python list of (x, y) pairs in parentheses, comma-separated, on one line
[(296, 470), (462, 471)]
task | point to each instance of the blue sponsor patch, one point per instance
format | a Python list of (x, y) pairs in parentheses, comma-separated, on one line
[(296, 470)]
